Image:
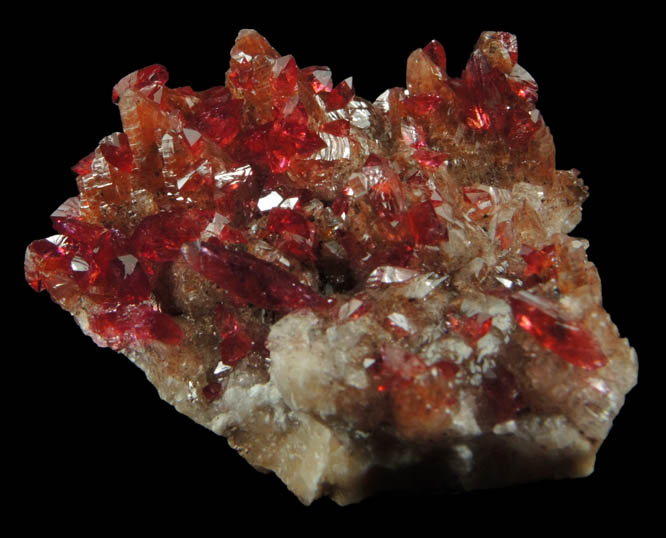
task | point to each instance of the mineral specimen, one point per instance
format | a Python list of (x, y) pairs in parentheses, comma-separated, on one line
[(357, 295)]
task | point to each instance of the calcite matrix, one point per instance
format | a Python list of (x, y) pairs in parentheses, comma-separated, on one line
[(357, 295)]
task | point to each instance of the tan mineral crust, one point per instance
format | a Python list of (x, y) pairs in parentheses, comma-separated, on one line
[(359, 296)]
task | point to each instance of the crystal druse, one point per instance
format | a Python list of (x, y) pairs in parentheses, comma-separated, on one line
[(357, 295)]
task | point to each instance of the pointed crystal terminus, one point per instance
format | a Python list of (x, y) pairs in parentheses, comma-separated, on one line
[(352, 292)]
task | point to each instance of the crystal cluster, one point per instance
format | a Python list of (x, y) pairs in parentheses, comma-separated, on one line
[(357, 295)]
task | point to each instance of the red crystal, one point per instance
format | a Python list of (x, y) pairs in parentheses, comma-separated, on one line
[(120, 328), (422, 105), (284, 79), (148, 81), (341, 203), (435, 52), (126, 280), (217, 115), (44, 259), (430, 160), (84, 166), (447, 368), (117, 151), (241, 75), (297, 232), (538, 262), (367, 255), (503, 395), (284, 139), (200, 180), (319, 78), (158, 238), (231, 235), (472, 328), (496, 101), (212, 391), (424, 225), (340, 96), (78, 230), (337, 127), (281, 220), (251, 279), (556, 332), (234, 340)]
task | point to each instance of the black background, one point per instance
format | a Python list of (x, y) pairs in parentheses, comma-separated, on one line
[(92, 435)]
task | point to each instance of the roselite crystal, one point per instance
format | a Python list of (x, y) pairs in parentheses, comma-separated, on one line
[(355, 294)]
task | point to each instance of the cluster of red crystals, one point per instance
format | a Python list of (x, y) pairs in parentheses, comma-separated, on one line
[(279, 142), (282, 189), (494, 90), (101, 263), (217, 115)]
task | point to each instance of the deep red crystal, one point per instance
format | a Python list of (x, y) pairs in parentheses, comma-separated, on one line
[(435, 52), (234, 340), (340, 96), (84, 166), (430, 160), (296, 232), (424, 225), (502, 394), (212, 391), (158, 238), (121, 327), (251, 279), (148, 81), (554, 331), (117, 151), (423, 104), (538, 262), (217, 115)]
